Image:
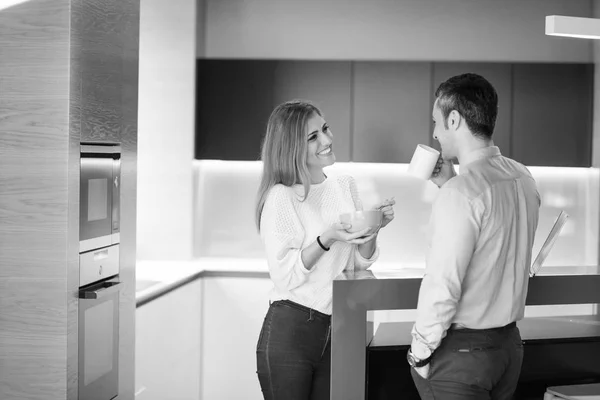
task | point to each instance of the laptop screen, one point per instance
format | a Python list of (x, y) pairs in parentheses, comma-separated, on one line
[(547, 246)]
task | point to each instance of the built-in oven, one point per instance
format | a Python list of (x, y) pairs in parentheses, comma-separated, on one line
[(99, 194), (99, 286), (99, 341)]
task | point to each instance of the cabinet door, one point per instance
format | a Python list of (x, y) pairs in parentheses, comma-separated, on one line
[(552, 114), (234, 101), (236, 97), (167, 348), (325, 83), (103, 93), (392, 110), (233, 313), (499, 75)]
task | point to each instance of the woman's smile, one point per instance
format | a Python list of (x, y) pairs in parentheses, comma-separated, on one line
[(325, 152)]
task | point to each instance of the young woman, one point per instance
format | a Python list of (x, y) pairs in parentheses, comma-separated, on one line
[(297, 214)]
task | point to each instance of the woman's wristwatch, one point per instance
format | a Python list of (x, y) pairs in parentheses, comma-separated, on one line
[(416, 362)]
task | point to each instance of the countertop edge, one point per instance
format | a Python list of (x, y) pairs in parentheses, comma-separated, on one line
[(161, 289), (190, 275)]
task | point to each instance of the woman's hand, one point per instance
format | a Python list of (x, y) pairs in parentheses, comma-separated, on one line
[(338, 233), (387, 206)]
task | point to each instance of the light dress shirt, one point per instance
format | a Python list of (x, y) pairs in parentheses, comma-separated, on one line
[(482, 227)]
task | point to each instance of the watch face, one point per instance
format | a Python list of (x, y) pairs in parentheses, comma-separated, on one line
[(411, 359), (415, 362)]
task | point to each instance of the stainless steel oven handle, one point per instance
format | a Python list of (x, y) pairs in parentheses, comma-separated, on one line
[(98, 293)]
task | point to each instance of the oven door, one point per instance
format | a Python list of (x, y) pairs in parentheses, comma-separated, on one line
[(99, 341)]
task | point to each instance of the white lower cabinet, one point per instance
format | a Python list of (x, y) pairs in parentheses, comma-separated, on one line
[(168, 346), (233, 312)]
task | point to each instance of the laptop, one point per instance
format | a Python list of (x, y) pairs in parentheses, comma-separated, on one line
[(549, 243)]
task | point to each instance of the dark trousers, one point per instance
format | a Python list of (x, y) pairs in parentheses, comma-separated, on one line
[(474, 364), (293, 354)]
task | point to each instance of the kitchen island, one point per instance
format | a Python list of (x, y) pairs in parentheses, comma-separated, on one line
[(356, 293)]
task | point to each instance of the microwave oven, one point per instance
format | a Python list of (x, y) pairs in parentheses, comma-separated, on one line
[(99, 189)]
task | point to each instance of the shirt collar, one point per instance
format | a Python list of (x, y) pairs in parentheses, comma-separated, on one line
[(480, 154)]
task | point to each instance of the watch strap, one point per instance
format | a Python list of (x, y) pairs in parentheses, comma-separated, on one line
[(418, 363)]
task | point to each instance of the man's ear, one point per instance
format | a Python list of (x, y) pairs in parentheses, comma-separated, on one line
[(454, 120)]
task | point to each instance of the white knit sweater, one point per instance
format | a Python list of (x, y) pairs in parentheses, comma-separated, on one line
[(288, 225)]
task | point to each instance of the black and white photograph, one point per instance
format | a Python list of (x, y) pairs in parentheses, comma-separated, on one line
[(299, 199)]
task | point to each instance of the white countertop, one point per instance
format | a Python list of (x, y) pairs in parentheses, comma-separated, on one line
[(160, 276), (169, 269)]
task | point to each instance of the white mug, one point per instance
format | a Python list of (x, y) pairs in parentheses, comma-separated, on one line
[(423, 162)]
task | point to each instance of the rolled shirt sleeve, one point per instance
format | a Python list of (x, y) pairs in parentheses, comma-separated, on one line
[(454, 230), (282, 234)]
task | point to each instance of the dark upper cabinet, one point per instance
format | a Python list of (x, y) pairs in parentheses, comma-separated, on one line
[(379, 111), (234, 100), (326, 84), (499, 75), (236, 97), (552, 114), (392, 110)]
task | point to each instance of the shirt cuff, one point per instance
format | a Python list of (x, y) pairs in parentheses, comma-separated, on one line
[(420, 350)]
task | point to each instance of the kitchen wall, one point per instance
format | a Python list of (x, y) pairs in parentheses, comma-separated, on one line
[(224, 210), (509, 30), (449, 30), (403, 30), (200, 28), (596, 103), (166, 129)]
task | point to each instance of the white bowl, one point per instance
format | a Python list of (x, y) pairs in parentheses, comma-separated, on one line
[(360, 220)]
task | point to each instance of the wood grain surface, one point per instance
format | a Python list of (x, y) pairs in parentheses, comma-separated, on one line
[(68, 73), (73, 196), (34, 143), (101, 67)]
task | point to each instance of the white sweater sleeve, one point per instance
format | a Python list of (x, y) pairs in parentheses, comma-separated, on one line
[(282, 234), (359, 261)]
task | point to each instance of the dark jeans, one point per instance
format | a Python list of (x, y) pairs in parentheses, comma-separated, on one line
[(474, 364), (293, 354)]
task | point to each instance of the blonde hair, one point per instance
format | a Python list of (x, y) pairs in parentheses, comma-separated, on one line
[(284, 149)]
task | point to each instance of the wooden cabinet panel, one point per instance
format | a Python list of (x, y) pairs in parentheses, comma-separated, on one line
[(392, 110), (101, 65), (552, 114), (328, 85), (499, 75)]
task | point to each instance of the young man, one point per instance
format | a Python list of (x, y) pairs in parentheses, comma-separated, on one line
[(466, 344)]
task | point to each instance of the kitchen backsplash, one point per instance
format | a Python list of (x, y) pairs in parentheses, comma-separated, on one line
[(225, 194)]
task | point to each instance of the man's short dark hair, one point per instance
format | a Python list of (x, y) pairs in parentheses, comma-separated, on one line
[(474, 98)]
